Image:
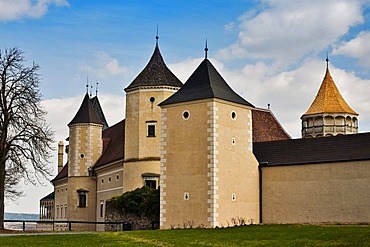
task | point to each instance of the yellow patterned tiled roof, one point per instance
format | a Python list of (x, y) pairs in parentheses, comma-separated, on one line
[(329, 99)]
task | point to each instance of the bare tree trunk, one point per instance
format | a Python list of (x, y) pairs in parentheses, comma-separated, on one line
[(2, 194)]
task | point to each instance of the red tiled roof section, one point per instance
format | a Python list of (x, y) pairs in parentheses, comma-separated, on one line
[(113, 144), (266, 127)]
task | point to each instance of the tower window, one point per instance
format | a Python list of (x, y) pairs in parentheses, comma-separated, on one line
[(82, 198), (185, 115), (151, 128), (152, 184), (152, 99), (233, 115)]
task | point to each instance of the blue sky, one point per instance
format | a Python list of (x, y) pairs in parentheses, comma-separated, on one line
[(269, 51)]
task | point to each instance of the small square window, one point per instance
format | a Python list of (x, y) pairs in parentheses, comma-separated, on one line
[(151, 130), (152, 184)]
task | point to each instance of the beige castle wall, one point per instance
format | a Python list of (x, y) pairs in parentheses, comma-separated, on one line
[(132, 173), (81, 213), (237, 166), (199, 158), (184, 166), (139, 110), (60, 200), (109, 184), (85, 147), (317, 193)]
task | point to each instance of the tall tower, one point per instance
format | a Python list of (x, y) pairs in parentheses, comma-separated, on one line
[(85, 147), (154, 84), (209, 175), (329, 114)]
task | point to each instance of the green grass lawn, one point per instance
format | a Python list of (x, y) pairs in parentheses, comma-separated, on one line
[(257, 235)]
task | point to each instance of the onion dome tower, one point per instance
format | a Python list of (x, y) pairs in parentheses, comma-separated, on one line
[(329, 114)]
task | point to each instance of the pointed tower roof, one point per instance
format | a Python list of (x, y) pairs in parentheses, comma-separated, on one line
[(155, 73), (86, 113), (329, 99), (99, 111), (205, 83)]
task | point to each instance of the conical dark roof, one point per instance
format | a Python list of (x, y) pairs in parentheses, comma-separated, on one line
[(156, 73), (99, 111), (86, 113), (205, 83)]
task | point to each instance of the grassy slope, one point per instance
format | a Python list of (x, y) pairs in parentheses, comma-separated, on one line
[(265, 235)]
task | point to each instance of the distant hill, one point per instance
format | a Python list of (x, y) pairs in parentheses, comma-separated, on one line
[(20, 216)]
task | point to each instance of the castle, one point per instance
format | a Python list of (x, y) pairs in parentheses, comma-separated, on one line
[(214, 156)]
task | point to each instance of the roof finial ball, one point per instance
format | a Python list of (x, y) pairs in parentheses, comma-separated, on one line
[(206, 50)]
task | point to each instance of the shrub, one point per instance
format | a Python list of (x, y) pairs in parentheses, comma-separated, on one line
[(140, 202)]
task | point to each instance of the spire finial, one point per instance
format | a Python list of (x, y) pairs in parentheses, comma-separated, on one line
[(87, 84), (156, 37), (206, 50), (327, 60), (96, 89)]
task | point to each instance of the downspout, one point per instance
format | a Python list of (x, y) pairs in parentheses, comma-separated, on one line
[(261, 164)]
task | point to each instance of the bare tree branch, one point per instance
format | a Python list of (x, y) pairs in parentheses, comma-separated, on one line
[(25, 137)]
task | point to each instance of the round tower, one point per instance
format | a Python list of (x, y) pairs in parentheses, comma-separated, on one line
[(85, 147), (154, 84), (329, 114)]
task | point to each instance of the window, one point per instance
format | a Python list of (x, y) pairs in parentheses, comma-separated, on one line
[(101, 209), (151, 128), (150, 179), (152, 184), (233, 115), (185, 115), (61, 211), (65, 210), (57, 211), (117, 177), (109, 179), (82, 198)]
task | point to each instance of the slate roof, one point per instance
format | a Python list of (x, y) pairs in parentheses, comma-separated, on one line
[(205, 83), (155, 73), (86, 113), (99, 111), (266, 127), (49, 197), (115, 144), (314, 150), (329, 99)]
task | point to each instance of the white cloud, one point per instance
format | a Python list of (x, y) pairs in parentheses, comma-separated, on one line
[(16, 9), (358, 48), (103, 67), (288, 30)]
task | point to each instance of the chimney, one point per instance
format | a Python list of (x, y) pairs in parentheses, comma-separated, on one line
[(60, 155)]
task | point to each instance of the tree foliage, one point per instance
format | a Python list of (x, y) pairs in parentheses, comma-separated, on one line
[(141, 202), (25, 138)]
